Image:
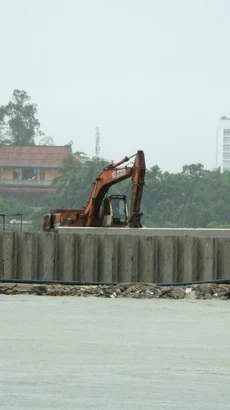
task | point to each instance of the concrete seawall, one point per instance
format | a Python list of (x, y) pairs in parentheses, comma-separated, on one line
[(110, 255)]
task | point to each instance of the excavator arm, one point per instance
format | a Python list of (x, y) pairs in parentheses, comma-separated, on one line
[(138, 181)]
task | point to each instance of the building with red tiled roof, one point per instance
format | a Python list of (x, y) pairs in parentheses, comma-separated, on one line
[(31, 168)]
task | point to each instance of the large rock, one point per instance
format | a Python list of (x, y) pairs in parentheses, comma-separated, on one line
[(203, 289), (192, 295), (178, 293)]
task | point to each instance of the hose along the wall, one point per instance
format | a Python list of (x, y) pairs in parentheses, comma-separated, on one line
[(84, 283)]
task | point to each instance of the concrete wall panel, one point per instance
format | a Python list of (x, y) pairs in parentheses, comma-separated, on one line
[(189, 273), (127, 259), (8, 264), (147, 259), (25, 256), (108, 258), (87, 257), (206, 259), (46, 256), (167, 257), (66, 257), (223, 258)]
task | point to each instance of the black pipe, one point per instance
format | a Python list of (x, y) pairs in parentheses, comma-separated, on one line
[(202, 282), (85, 283), (57, 282)]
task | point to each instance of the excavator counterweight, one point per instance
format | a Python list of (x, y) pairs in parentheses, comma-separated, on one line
[(104, 210)]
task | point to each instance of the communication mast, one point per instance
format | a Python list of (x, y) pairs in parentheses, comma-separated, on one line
[(97, 147)]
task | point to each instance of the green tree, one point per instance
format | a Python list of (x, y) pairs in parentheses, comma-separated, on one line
[(192, 198), (75, 183), (48, 141), (18, 118), (70, 184), (82, 155)]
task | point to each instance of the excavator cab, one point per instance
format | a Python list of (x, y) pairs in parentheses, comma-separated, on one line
[(114, 211)]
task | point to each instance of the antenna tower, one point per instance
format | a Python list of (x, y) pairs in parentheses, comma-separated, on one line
[(97, 147)]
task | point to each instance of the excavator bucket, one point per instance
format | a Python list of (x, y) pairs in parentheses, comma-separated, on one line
[(138, 181)]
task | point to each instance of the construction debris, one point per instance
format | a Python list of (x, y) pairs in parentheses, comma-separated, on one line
[(127, 290)]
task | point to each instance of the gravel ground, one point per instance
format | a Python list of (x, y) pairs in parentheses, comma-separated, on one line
[(129, 290)]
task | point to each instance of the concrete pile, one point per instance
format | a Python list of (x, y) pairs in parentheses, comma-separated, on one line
[(127, 290)]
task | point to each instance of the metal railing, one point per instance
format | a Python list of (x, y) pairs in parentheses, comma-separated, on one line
[(24, 182), (6, 224)]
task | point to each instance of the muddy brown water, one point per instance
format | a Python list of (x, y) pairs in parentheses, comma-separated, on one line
[(115, 354)]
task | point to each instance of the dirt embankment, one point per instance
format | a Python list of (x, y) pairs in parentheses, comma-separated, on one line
[(128, 290)]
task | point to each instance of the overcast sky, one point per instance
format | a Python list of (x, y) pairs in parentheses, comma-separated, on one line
[(152, 74)]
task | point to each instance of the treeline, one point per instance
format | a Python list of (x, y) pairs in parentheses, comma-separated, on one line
[(193, 198)]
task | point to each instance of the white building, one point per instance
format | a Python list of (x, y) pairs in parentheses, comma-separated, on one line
[(223, 144)]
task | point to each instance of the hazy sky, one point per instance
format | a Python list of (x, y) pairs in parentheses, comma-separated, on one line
[(152, 74)]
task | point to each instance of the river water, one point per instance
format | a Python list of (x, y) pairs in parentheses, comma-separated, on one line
[(115, 354)]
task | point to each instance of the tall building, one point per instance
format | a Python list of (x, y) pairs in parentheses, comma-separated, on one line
[(223, 144)]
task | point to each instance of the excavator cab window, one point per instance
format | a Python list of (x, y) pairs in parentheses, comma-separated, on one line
[(119, 211)]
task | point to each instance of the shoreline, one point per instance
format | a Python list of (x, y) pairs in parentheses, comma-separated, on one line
[(126, 290)]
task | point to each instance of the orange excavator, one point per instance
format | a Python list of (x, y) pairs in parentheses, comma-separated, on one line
[(104, 210)]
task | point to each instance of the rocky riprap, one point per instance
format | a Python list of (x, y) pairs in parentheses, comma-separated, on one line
[(128, 290)]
